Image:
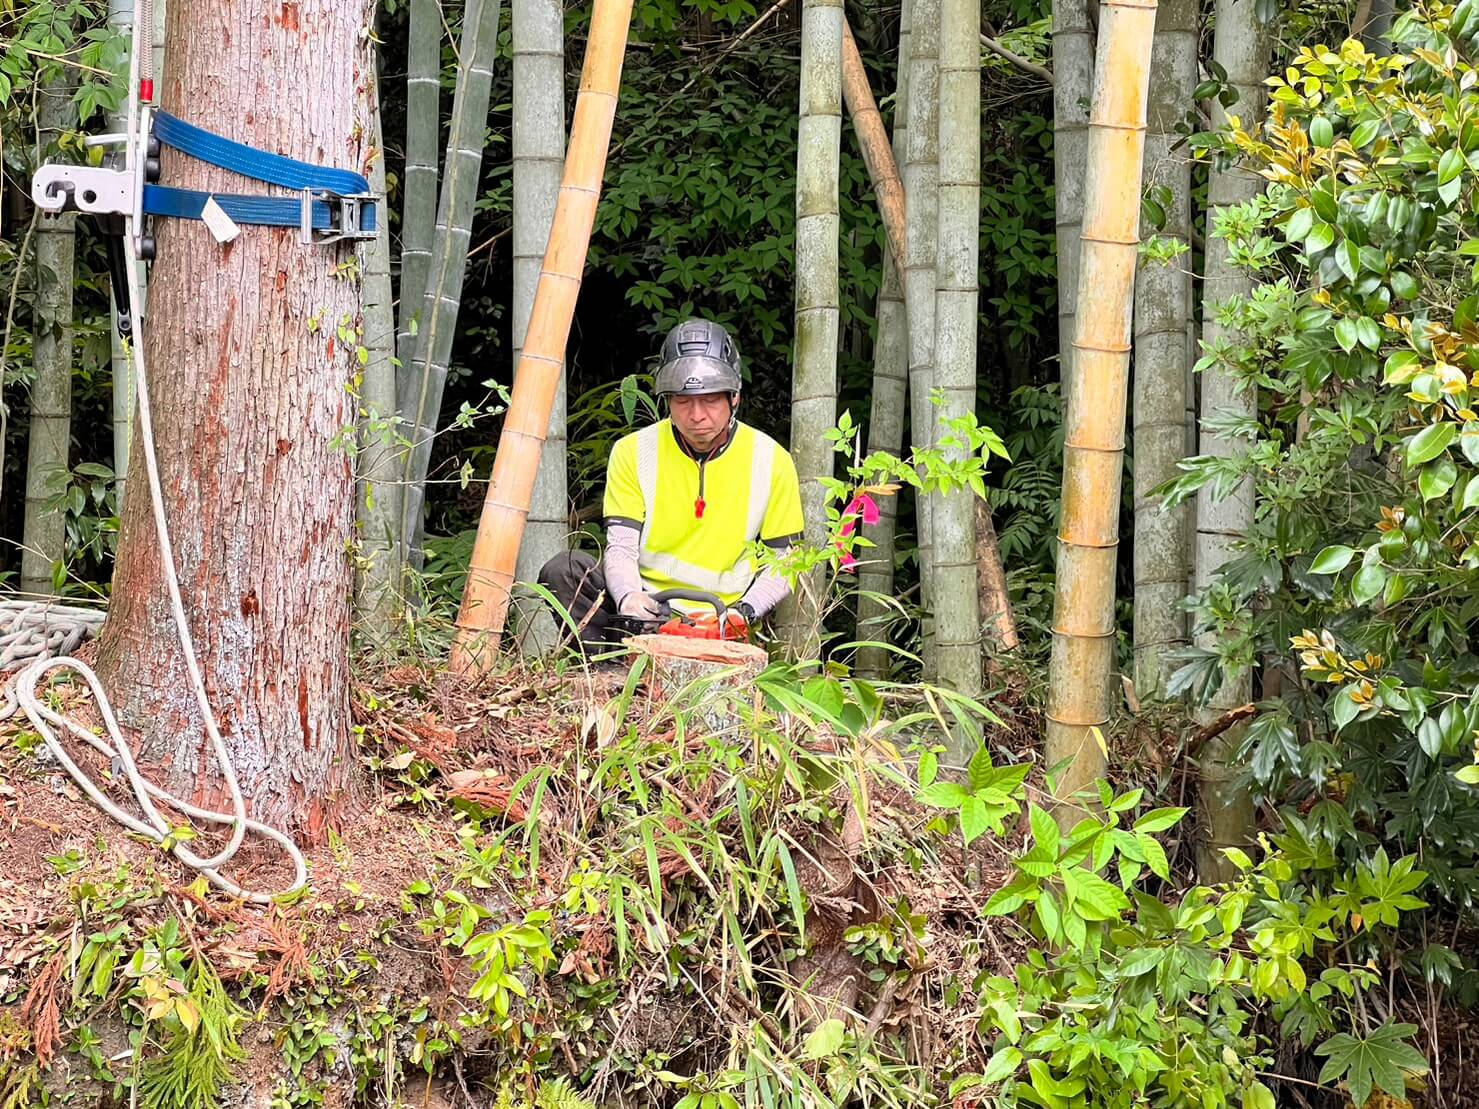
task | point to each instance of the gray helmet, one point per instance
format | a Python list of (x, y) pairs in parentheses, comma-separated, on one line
[(698, 357)]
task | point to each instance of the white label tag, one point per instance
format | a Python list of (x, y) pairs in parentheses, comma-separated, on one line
[(222, 226)]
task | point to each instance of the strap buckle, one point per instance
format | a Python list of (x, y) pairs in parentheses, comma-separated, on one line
[(345, 212)]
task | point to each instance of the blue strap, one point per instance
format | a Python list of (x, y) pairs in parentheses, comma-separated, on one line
[(242, 159), (269, 211)]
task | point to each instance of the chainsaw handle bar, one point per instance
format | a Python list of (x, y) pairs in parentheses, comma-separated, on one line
[(698, 595)]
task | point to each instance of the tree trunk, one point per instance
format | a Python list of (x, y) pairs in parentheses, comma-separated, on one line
[(1082, 665), (1073, 77), (250, 397), (1241, 47), (420, 389), (1162, 314), (878, 156), (953, 514), (889, 400), (814, 377), (538, 155), (44, 539), (921, 181), (378, 582), (423, 130)]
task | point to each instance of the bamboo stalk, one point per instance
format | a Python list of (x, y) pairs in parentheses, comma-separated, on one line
[(921, 183), (377, 584), (50, 439), (423, 128), (954, 577), (1073, 76), (424, 377), (889, 401), (818, 313), (1241, 46), (1162, 314), (1094, 432), (538, 148), (490, 578), (873, 140)]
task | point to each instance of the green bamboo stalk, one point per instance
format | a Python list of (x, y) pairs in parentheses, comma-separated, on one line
[(889, 402), (1241, 46), (1162, 315), (814, 377), (921, 183), (377, 584), (420, 390), (45, 528), (538, 149), (953, 514), (419, 210)]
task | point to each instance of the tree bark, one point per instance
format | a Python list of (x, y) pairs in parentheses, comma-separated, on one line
[(250, 391), (814, 377), (44, 538), (538, 159), (1241, 46), (1162, 315), (889, 401), (957, 293)]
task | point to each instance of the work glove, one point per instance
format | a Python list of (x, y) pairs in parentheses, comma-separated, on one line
[(640, 605)]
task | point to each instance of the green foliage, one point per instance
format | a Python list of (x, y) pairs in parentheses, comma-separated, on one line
[(1132, 1001), (1357, 574)]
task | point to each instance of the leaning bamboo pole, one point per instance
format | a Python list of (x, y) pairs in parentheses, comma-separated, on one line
[(1094, 432), (873, 140), (490, 577)]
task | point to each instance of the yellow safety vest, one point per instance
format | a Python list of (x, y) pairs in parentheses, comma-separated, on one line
[(749, 492)]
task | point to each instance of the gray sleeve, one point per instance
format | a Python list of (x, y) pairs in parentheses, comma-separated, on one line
[(766, 591), (620, 563)]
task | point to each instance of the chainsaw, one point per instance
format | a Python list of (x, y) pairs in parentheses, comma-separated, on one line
[(675, 622)]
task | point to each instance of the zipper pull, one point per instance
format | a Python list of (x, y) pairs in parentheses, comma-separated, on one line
[(698, 509)]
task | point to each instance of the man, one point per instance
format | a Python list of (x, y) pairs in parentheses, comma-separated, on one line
[(685, 499)]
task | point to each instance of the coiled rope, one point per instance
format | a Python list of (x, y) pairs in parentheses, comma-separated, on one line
[(42, 628)]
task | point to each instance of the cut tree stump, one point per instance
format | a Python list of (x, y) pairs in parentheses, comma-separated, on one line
[(677, 663)]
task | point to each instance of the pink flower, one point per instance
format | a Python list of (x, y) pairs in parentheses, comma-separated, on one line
[(861, 507)]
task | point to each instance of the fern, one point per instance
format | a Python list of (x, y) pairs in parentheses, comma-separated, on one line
[(195, 1063), (554, 1094)]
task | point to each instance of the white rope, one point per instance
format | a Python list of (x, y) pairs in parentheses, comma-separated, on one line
[(42, 718)]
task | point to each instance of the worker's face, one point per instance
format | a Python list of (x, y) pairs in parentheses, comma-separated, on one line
[(702, 420)]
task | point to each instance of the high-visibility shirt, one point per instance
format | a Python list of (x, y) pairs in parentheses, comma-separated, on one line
[(698, 520)]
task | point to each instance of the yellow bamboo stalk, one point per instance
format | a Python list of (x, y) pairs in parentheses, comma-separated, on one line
[(1094, 434), (878, 151), (484, 610)]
